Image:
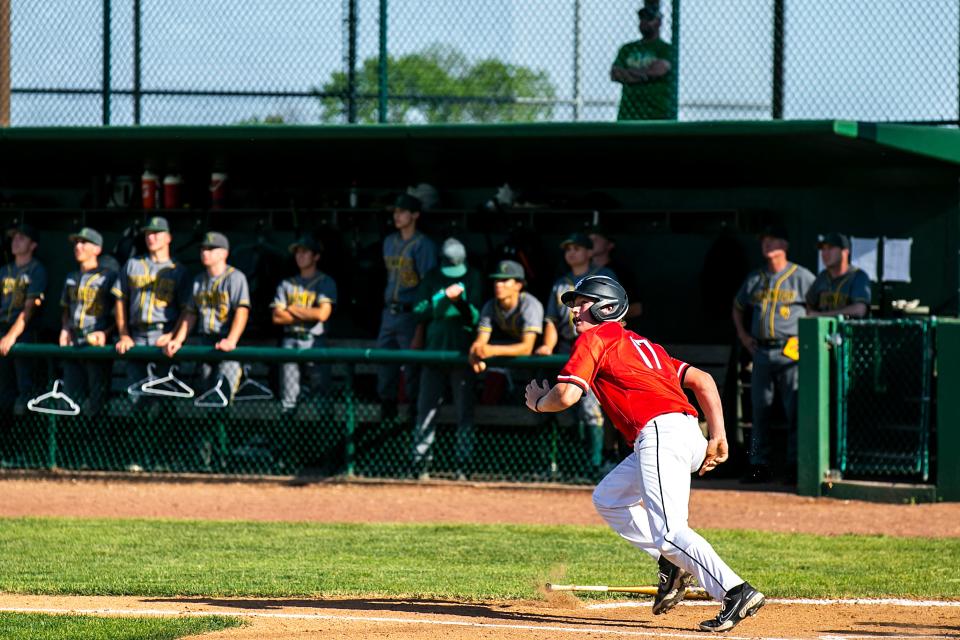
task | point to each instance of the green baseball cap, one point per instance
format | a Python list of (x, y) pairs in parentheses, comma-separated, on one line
[(507, 269), (87, 235), (308, 242), (26, 229), (579, 239), (215, 240), (156, 223)]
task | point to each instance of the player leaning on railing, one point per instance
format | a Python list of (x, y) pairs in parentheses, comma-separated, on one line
[(640, 388)]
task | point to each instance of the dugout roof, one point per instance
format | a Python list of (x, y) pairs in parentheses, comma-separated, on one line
[(642, 154)]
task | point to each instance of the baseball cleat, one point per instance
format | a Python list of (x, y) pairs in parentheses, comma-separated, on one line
[(739, 603), (671, 587)]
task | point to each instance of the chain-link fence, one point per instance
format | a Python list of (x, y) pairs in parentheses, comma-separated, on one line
[(884, 398), (122, 62), (173, 420)]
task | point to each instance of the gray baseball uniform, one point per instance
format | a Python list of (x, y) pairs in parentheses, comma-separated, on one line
[(509, 326), (778, 301), (828, 294), (215, 301), (303, 292), (406, 262), (154, 294), (589, 413), (89, 304), (19, 284)]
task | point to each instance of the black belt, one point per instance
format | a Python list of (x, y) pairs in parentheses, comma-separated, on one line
[(772, 344), (399, 307), (154, 326)]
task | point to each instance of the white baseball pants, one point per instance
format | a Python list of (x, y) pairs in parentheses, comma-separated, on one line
[(646, 500)]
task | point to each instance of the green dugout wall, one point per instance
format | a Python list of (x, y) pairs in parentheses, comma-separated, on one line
[(684, 199)]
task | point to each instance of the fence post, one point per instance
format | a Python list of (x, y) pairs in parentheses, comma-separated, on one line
[(352, 61), (813, 419), (779, 16), (51, 442), (137, 71), (948, 410), (675, 62), (4, 63), (382, 66), (106, 63)]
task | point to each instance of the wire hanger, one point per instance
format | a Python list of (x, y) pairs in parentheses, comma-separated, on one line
[(134, 389), (56, 394), (254, 390), (213, 398), (180, 388)]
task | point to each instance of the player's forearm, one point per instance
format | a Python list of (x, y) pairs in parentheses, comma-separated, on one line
[(549, 335), (120, 314), (560, 398), (19, 325), (524, 348), (238, 324), (184, 326), (282, 317), (708, 397), (737, 315)]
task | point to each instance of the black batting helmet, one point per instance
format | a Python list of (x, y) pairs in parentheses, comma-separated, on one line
[(609, 298)]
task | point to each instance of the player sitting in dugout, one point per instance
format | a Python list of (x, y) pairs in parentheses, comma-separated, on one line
[(509, 324)]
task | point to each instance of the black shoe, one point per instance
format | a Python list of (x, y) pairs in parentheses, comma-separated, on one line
[(758, 474), (739, 603), (671, 587)]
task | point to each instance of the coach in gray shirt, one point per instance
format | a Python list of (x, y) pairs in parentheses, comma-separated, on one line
[(776, 293), (219, 308)]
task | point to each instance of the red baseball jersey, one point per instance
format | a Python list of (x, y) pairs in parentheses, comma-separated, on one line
[(634, 379)]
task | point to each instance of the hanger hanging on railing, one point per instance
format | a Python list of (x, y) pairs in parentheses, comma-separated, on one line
[(134, 389), (72, 410), (213, 398), (176, 388), (250, 389)]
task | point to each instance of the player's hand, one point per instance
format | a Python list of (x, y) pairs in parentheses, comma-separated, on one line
[(534, 392), (454, 291), (124, 344), (171, 347), (164, 339), (226, 345), (717, 452), (65, 340), (6, 343), (97, 339), (543, 350)]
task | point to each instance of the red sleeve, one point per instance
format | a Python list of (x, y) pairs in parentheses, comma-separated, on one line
[(582, 366), (681, 367)]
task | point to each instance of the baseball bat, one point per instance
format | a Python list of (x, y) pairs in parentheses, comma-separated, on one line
[(696, 593)]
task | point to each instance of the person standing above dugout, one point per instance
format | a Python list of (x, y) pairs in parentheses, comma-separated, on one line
[(777, 295), (408, 255), (509, 323), (219, 307), (24, 284), (151, 294), (840, 289), (301, 306), (646, 498), (87, 320), (559, 334)]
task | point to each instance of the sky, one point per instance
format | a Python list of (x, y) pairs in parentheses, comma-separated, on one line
[(877, 60)]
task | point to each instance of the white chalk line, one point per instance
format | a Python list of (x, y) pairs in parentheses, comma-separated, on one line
[(894, 602), (454, 623)]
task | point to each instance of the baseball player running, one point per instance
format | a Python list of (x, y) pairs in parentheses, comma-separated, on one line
[(220, 307), (646, 497)]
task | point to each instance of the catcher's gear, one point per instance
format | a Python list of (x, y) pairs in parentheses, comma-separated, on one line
[(609, 298)]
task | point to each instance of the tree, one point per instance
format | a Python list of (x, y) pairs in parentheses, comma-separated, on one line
[(440, 85)]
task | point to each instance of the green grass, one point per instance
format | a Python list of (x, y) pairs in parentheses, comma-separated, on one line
[(36, 626), (161, 558)]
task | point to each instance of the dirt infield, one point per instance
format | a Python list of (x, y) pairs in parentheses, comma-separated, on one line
[(559, 616)]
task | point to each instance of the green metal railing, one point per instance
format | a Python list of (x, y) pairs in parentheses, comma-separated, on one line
[(884, 409), (336, 432)]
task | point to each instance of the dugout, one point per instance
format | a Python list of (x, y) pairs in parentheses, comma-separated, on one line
[(684, 201)]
